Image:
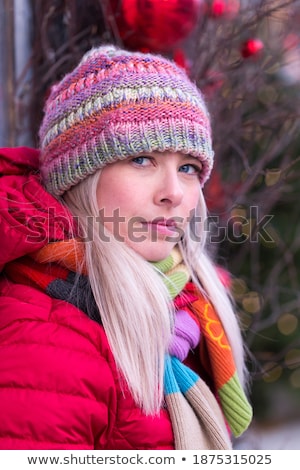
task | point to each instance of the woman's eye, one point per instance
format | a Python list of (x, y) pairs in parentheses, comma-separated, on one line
[(190, 169), (141, 161)]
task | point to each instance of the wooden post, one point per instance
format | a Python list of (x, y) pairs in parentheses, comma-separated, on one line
[(7, 75)]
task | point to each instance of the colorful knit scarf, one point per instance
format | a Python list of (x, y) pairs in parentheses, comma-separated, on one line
[(197, 419), (195, 413)]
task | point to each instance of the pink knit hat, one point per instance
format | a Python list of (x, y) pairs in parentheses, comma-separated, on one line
[(117, 104)]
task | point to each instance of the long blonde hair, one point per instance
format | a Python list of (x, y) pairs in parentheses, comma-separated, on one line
[(134, 304)]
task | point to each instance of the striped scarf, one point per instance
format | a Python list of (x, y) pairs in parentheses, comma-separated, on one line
[(197, 416), (198, 422)]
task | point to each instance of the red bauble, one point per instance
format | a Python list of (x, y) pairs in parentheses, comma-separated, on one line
[(251, 47), (180, 59), (219, 8), (156, 25)]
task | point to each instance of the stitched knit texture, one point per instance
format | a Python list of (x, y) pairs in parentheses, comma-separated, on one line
[(186, 335), (117, 104)]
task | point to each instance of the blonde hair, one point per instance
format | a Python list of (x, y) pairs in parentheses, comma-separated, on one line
[(133, 302)]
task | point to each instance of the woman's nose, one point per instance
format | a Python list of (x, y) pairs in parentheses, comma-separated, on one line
[(169, 190)]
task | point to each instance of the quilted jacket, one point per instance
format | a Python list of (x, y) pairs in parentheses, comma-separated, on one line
[(59, 387)]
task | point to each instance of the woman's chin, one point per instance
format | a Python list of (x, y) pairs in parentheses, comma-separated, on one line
[(153, 251)]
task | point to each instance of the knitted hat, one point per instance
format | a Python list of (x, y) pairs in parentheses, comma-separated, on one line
[(117, 104)]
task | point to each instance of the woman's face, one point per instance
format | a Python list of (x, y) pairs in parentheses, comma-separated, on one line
[(146, 201)]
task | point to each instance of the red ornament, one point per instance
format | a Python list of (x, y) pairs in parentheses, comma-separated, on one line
[(156, 25), (180, 59), (251, 47), (227, 8)]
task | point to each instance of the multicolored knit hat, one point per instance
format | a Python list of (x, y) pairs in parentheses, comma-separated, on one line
[(117, 104)]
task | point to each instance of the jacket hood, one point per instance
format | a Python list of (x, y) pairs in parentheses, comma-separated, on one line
[(30, 217)]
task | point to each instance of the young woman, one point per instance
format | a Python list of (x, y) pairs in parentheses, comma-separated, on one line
[(115, 330)]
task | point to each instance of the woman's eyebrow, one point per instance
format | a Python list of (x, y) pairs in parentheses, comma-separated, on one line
[(191, 157)]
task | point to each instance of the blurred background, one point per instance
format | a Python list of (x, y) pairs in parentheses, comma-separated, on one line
[(245, 57)]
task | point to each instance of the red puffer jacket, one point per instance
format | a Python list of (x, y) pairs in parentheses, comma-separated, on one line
[(59, 386)]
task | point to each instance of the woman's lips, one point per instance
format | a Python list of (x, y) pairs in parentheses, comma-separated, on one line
[(162, 226)]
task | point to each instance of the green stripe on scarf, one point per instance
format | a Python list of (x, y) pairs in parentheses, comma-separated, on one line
[(235, 405), (174, 272)]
